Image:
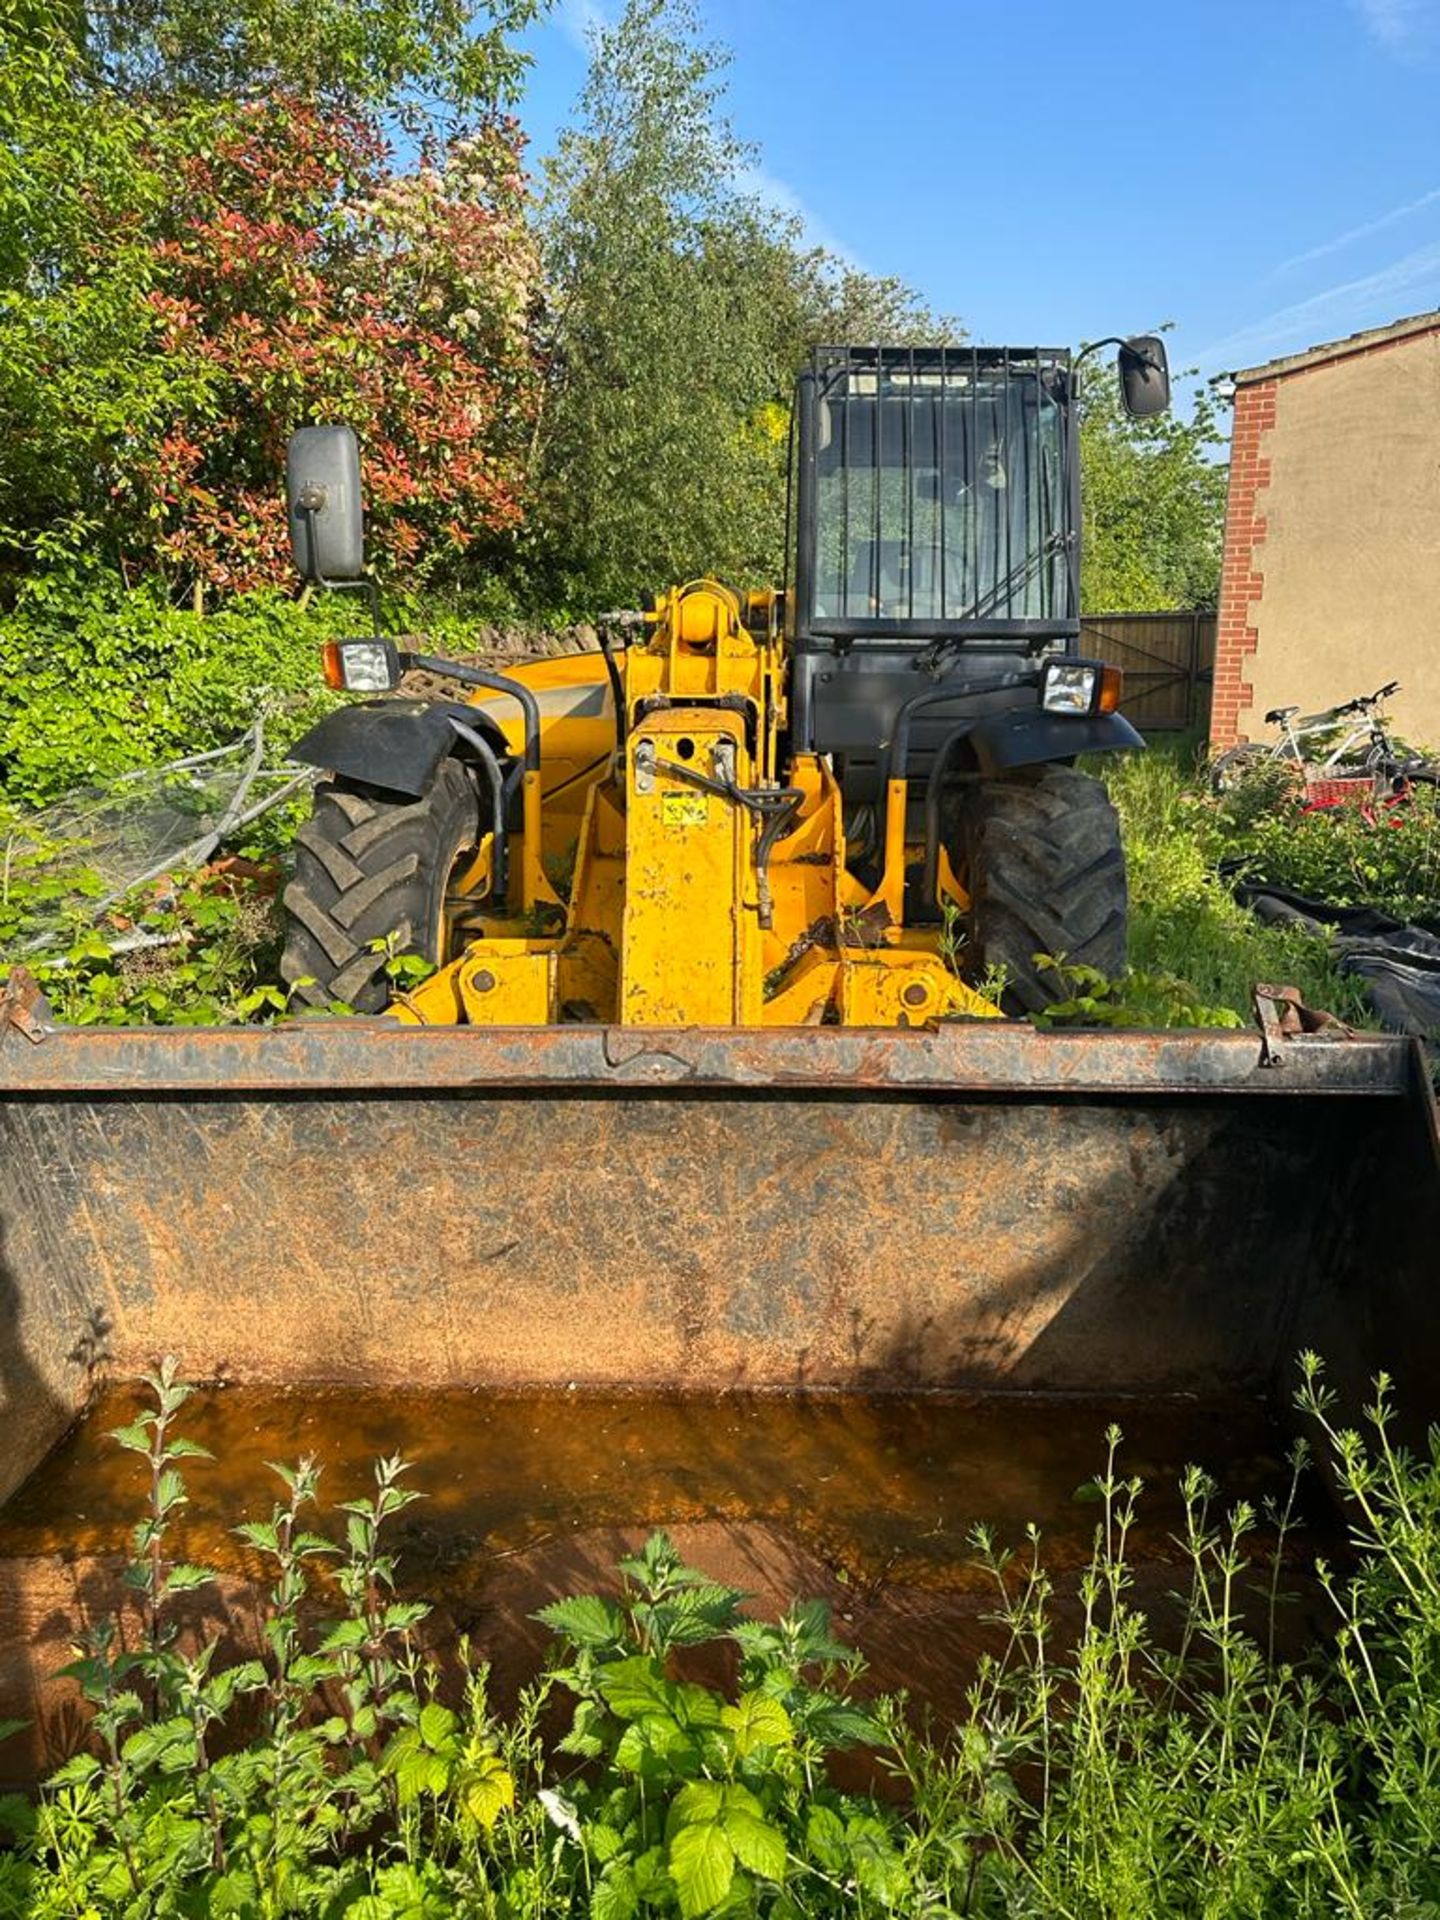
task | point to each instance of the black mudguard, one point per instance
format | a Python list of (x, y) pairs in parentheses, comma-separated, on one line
[(1028, 736), (396, 745)]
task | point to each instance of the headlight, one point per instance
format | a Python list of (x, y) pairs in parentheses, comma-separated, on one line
[(1068, 688), (361, 666), (1081, 686)]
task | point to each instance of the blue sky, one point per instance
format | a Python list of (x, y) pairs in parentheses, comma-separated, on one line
[(1264, 175)]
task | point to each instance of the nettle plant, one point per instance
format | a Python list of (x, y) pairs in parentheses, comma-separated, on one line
[(323, 1773), (1136, 998), (1100, 1769), (696, 1801)]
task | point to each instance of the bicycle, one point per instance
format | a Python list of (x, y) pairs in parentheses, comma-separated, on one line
[(1364, 754)]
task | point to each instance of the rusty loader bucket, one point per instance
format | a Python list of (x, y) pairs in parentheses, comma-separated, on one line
[(982, 1207), (981, 1210)]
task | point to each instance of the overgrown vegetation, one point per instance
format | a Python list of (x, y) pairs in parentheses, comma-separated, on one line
[(101, 680), (1085, 997), (1185, 847), (1390, 861), (199, 949), (193, 263), (1109, 1763)]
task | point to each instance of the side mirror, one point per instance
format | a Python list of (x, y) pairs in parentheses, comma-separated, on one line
[(1144, 376), (322, 490)]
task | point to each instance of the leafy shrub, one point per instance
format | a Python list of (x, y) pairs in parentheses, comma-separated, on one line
[(296, 278), (1338, 854), (1271, 787), (187, 279), (99, 678)]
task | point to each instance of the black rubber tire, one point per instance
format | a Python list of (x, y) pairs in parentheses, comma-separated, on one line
[(369, 867), (1039, 853), (1230, 769)]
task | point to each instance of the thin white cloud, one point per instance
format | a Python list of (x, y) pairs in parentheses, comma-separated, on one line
[(1354, 234), (1373, 300), (757, 182), (1408, 29), (581, 20)]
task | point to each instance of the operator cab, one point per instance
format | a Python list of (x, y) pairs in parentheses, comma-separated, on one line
[(939, 495), (934, 539)]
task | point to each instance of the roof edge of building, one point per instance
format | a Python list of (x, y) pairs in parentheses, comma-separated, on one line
[(1339, 349)]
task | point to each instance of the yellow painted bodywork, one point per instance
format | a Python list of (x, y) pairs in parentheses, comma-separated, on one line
[(645, 889)]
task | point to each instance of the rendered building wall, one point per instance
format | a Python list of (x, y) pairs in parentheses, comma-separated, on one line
[(1331, 578)]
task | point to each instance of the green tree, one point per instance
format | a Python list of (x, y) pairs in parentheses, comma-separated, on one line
[(418, 60), (658, 450), (1154, 501), (842, 305), (79, 189), (682, 307)]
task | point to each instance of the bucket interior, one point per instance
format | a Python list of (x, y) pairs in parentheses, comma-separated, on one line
[(819, 1331)]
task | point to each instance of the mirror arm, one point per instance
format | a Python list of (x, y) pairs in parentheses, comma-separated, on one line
[(1116, 340), (310, 505), (1094, 346)]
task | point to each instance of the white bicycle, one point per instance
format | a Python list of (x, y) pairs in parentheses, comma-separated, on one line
[(1348, 742)]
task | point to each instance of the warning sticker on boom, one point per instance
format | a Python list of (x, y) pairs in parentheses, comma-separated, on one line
[(684, 809)]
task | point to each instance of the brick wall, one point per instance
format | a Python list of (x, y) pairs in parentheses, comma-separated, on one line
[(1241, 584)]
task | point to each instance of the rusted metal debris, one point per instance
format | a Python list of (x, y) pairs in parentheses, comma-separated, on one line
[(23, 1006), (1284, 1016)]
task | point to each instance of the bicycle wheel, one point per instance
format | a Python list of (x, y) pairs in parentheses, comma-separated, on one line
[(1232, 768)]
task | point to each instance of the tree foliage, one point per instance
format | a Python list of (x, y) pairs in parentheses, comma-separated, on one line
[(77, 192), (662, 437), (682, 305), (184, 281), (297, 279), (1154, 501), (417, 60)]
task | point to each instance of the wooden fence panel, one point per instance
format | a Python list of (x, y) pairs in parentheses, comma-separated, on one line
[(1169, 664)]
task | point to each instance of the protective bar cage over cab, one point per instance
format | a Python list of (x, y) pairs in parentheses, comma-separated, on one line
[(937, 496)]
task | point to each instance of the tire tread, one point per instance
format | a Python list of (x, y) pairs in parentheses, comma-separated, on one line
[(367, 869), (1047, 875)]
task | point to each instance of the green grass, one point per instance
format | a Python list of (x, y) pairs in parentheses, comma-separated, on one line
[(1183, 918)]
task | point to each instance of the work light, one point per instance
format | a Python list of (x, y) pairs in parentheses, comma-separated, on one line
[(1080, 686), (1068, 687), (361, 666)]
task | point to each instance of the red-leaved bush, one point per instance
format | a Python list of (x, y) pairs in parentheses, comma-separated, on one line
[(297, 277)]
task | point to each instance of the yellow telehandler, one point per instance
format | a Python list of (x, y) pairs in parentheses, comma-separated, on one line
[(851, 801)]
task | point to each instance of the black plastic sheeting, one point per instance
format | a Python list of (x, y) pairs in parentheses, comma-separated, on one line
[(1399, 964)]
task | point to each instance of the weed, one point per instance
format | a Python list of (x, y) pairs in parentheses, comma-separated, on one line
[(325, 1775), (1088, 998), (196, 949), (1185, 923), (1103, 1770)]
